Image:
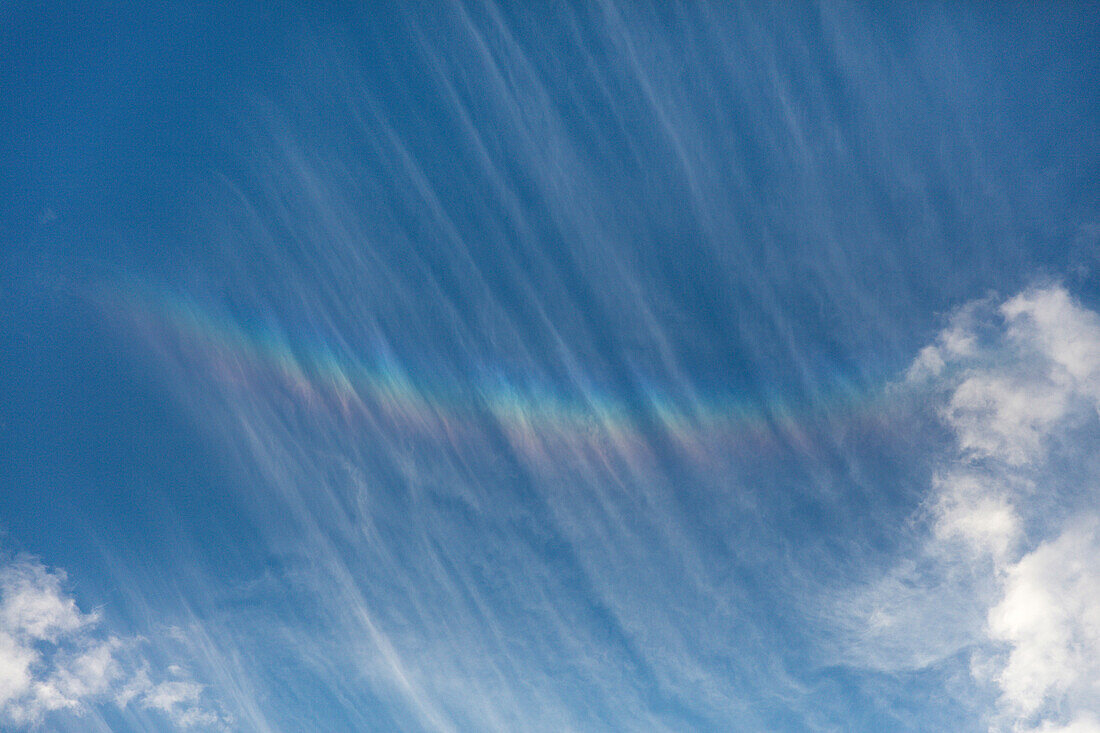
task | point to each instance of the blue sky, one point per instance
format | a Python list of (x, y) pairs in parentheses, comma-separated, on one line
[(549, 366)]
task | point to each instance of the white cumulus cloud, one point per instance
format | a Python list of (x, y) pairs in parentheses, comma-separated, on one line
[(55, 657), (1010, 567)]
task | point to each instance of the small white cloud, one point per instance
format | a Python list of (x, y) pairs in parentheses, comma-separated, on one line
[(969, 508), (928, 364), (180, 702), (34, 606), (1051, 323), (1005, 417)]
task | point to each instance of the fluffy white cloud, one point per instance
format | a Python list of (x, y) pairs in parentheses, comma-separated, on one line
[(55, 657), (1013, 373), (48, 660), (1011, 528)]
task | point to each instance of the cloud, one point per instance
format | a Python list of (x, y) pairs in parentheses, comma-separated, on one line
[(55, 657), (1049, 618), (49, 660), (1009, 569)]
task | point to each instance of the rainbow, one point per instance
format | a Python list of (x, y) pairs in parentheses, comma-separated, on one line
[(537, 423)]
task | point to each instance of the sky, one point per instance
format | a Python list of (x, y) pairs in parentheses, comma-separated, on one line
[(551, 366)]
